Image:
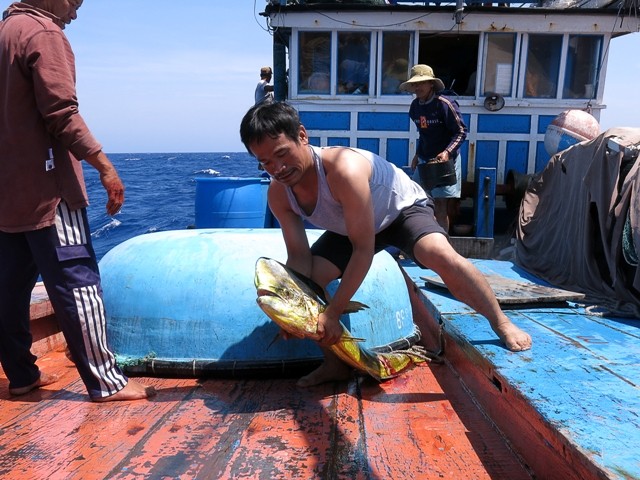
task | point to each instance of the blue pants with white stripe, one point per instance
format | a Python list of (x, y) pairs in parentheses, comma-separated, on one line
[(64, 256)]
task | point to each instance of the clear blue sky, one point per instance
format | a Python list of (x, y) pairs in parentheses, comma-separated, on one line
[(167, 76)]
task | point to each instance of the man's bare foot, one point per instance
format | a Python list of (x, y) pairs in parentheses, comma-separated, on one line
[(132, 391), (45, 379), (329, 371), (514, 338)]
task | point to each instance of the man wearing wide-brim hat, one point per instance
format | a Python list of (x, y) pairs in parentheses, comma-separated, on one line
[(441, 134), (421, 73)]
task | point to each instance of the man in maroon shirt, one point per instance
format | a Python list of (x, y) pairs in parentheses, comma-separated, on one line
[(43, 221)]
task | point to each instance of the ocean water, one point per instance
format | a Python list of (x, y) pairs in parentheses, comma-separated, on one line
[(160, 192)]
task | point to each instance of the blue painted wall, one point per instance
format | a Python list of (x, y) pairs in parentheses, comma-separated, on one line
[(371, 144), (504, 123), (385, 122), (487, 153), (542, 157), (326, 120), (338, 142), (543, 122), (517, 157), (397, 149)]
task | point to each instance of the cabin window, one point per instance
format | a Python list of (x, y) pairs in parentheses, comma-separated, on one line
[(354, 60), (396, 50), (543, 66), (453, 57), (314, 60), (583, 61), (500, 55)]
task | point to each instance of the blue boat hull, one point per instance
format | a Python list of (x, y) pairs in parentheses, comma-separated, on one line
[(182, 302)]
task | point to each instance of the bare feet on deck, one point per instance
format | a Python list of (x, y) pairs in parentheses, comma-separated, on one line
[(132, 391), (45, 379), (332, 369), (513, 337)]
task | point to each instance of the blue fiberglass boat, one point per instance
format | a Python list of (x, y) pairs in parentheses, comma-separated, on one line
[(183, 302)]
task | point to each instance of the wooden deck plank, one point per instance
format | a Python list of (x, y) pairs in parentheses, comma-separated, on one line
[(509, 291), (232, 428), (432, 410), (588, 390), (315, 436), (571, 401), (228, 429), (578, 384), (61, 434), (12, 408)]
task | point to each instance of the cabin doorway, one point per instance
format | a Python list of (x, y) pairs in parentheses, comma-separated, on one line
[(454, 59)]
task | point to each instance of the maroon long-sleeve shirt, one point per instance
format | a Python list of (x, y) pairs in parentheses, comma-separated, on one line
[(38, 112)]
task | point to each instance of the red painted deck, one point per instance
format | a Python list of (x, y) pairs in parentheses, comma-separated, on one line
[(422, 425)]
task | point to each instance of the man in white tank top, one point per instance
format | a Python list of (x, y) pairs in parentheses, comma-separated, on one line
[(343, 190)]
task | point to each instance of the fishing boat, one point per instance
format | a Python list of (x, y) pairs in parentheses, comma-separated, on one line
[(567, 409)]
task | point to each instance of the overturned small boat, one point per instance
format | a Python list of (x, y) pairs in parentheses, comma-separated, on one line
[(184, 303)]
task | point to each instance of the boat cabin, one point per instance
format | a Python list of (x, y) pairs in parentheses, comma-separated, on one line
[(512, 67)]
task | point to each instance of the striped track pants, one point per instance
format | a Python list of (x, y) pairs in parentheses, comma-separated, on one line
[(63, 255)]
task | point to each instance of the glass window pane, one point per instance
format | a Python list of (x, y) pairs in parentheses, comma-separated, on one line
[(315, 62), (498, 76), (583, 58), (395, 61), (543, 66), (353, 62)]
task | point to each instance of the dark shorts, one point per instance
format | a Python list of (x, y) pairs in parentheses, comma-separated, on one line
[(412, 224)]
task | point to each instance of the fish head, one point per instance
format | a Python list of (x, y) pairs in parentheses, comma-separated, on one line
[(287, 298)]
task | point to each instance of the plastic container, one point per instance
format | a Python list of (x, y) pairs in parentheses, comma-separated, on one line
[(435, 174), (231, 202)]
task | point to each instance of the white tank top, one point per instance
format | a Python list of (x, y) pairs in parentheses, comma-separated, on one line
[(391, 191)]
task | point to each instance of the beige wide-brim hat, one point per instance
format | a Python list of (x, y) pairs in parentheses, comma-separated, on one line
[(421, 73)]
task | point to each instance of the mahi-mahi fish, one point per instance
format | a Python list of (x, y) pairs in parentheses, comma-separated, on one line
[(294, 302)]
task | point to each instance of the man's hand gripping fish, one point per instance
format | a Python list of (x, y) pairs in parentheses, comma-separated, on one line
[(295, 302)]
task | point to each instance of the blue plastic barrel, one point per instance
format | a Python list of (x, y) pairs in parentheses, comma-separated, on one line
[(231, 202)]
